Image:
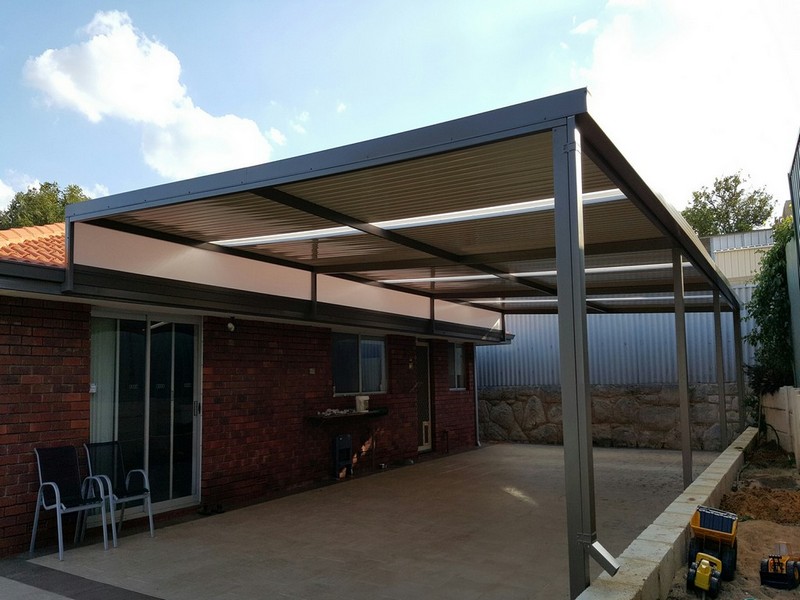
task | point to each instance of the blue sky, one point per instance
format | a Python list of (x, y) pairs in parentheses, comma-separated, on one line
[(125, 95)]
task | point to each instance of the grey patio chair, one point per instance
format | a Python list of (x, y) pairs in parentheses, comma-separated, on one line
[(61, 489), (105, 461)]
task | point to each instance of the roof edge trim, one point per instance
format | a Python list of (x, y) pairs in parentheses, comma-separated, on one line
[(519, 119)]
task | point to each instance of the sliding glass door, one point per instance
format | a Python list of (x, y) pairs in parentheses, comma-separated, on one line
[(145, 395)]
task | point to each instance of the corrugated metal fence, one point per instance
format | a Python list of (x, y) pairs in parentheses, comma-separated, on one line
[(624, 349)]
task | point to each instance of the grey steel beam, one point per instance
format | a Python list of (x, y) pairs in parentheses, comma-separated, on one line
[(682, 367), (573, 351), (599, 249), (301, 204), (723, 407), (608, 158), (738, 354)]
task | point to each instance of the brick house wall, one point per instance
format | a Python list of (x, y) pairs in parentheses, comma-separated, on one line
[(260, 385), (262, 382), (453, 409), (44, 401)]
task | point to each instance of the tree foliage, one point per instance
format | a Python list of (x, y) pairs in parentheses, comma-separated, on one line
[(728, 207), (770, 311), (40, 205)]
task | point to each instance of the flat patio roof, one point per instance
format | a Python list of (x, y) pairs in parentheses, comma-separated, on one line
[(463, 212)]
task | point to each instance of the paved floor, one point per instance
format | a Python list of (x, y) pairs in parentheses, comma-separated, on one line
[(487, 524)]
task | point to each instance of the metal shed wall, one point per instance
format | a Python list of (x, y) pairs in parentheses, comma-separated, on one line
[(759, 238), (624, 349)]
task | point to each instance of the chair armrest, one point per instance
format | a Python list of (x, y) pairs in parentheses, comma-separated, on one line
[(56, 491), (140, 473), (101, 482)]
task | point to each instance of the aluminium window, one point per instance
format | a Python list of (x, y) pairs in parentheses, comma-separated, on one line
[(456, 366), (359, 364)]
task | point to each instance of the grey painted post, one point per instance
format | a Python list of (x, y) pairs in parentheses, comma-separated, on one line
[(738, 354), (682, 366), (574, 367), (723, 408)]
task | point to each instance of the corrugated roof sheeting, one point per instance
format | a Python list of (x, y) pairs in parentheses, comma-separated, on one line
[(510, 171), (623, 349)]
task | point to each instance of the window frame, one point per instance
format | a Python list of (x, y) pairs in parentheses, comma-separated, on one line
[(457, 366), (359, 360)]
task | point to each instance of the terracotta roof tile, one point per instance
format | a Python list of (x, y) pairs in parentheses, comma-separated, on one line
[(41, 245)]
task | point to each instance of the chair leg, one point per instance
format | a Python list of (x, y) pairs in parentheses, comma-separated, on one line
[(105, 531), (150, 515), (113, 510), (60, 535), (35, 522)]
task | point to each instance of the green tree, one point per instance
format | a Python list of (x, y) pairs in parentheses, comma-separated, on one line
[(770, 311), (728, 207), (40, 205)]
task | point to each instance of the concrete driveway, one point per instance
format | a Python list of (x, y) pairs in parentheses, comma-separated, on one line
[(485, 524)]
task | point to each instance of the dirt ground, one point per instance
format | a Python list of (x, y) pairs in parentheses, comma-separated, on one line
[(767, 500)]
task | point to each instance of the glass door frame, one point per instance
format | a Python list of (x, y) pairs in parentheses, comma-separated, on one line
[(424, 426), (149, 318)]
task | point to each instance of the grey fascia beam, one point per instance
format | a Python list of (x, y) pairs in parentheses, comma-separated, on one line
[(611, 161)]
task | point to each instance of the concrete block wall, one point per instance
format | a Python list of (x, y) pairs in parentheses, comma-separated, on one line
[(44, 401), (649, 564)]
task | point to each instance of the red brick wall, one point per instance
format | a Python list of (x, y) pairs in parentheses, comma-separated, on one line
[(453, 410), (44, 401), (260, 385)]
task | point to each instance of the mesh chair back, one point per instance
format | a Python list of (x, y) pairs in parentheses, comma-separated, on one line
[(60, 465), (105, 458)]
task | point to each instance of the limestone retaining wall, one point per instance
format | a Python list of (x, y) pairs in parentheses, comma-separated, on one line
[(622, 416)]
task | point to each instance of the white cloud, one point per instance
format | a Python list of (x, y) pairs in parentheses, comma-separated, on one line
[(277, 136), (697, 91), (121, 73), (98, 190), (341, 107), (298, 123), (200, 143), (586, 27), (6, 195)]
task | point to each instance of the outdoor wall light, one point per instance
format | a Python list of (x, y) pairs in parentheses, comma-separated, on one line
[(231, 324)]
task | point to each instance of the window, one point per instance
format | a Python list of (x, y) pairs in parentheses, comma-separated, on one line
[(455, 366), (359, 364)]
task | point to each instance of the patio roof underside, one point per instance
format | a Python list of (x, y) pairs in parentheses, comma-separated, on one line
[(470, 222)]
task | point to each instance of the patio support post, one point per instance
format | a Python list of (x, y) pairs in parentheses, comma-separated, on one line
[(723, 407), (682, 366), (737, 347), (574, 367)]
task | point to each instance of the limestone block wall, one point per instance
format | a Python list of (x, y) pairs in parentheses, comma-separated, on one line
[(641, 416)]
